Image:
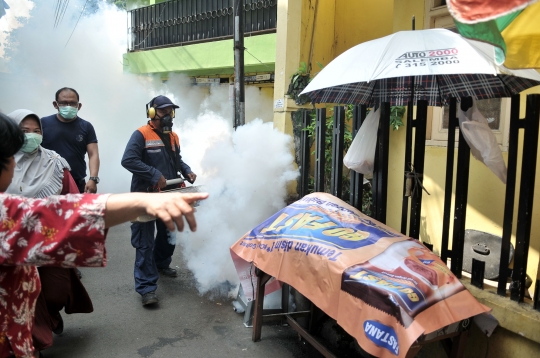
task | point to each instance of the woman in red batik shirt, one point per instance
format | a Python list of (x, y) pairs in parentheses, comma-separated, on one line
[(39, 173)]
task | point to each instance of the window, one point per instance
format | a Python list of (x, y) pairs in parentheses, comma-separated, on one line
[(437, 15), (496, 111)]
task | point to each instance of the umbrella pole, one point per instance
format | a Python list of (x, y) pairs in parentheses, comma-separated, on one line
[(418, 169)]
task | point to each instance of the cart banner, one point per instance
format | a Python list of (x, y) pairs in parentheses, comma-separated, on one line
[(315, 239), (383, 288)]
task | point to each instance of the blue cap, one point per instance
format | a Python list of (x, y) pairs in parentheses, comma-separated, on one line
[(163, 102)]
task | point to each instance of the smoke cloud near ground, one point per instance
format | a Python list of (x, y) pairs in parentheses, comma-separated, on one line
[(245, 171)]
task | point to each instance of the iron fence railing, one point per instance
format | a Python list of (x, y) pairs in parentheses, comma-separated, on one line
[(512, 282), (179, 22)]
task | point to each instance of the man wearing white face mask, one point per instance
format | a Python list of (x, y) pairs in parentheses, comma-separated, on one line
[(72, 137)]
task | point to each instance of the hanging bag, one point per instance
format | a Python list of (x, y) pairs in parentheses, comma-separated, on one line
[(482, 141), (361, 154)]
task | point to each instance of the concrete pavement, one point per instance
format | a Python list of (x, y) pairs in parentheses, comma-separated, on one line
[(183, 324)]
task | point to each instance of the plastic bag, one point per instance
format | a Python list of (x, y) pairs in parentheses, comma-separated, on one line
[(361, 154), (482, 141)]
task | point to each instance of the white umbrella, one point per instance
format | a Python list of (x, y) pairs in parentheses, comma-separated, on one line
[(442, 64)]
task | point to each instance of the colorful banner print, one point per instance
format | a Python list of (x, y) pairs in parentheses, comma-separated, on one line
[(311, 222), (383, 288), (403, 281)]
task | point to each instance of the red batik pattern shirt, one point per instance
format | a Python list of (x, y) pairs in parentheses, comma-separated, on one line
[(64, 231)]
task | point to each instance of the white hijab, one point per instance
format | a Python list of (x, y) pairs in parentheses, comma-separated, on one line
[(38, 174)]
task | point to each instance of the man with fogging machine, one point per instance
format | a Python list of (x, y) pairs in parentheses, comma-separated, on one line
[(152, 155)]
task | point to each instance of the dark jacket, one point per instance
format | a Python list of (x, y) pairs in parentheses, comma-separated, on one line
[(147, 158)]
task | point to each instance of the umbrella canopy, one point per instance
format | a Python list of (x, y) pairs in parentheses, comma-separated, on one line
[(441, 63)]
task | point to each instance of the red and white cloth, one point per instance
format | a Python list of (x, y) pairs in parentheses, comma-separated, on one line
[(63, 231)]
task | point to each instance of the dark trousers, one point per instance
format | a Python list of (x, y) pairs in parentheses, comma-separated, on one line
[(81, 183), (151, 254)]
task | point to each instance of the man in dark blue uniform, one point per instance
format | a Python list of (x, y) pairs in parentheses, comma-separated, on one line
[(153, 156)]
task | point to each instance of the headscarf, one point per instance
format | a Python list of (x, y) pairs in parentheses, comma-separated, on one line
[(38, 174)]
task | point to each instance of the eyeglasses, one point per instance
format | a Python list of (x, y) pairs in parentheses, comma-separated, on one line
[(64, 104)]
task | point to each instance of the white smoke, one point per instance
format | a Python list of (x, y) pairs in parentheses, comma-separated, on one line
[(245, 171), (12, 19)]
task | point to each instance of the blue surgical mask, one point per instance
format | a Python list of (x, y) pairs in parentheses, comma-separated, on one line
[(33, 140), (68, 112)]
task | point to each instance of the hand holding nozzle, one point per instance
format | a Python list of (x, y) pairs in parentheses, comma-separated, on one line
[(162, 182), (174, 181), (191, 177), (186, 190)]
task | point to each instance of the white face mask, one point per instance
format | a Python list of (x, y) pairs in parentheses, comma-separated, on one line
[(68, 112)]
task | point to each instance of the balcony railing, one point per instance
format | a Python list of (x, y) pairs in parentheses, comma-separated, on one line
[(182, 22)]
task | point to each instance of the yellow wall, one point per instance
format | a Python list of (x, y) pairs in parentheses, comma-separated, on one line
[(486, 197), (405, 10), (287, 58), (318, 33), (360, 21), (340, 25)]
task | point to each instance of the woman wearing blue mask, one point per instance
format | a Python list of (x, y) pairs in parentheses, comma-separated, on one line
[(39, 173)]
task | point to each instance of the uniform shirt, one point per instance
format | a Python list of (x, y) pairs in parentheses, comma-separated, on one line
[(64, 231), (69, 139), (148, 159)]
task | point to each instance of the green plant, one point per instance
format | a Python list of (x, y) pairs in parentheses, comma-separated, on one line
[(328, 135), (299, 80), (367, 199), (347, 140), (396, 116), (367, 194)]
